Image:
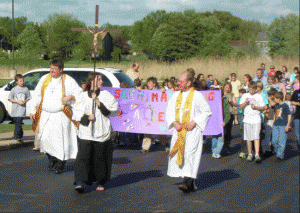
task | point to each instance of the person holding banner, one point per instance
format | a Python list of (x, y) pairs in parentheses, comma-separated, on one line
[(95, 148), (187, 113), (51, 115)]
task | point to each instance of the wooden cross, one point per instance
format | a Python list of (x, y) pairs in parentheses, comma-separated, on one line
[(96, 31)]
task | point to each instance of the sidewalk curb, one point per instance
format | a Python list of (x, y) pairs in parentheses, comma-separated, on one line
[(7, 143), (16, 145)]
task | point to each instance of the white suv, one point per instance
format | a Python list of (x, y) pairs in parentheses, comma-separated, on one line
[(111, 78)]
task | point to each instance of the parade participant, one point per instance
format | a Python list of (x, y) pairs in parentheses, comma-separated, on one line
[(282, 124), (272, 72), (50, 111), (295, 100), (260, 77), (188, 112), (253, 104), (95, 148)]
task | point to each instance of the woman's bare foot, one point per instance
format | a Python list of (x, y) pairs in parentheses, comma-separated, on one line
[(100, 188)]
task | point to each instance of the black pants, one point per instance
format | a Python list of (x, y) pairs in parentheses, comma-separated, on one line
[(58, 164), (18, 127), (227, 132), (93, 162)]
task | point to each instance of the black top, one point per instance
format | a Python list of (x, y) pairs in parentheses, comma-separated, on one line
[(296, 98)]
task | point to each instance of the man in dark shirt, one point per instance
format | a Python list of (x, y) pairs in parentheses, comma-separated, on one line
[(295, 100)]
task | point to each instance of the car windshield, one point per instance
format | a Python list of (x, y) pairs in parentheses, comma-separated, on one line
[(123, 78), (79, 76)]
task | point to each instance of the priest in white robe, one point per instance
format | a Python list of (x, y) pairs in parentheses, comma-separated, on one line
[(187, 113), (50, 110)]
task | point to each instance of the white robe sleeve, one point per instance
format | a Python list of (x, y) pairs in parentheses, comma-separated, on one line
[(36, 99), (202, 111), (170, 112), (79, 107), (72, 88), (109, 101)]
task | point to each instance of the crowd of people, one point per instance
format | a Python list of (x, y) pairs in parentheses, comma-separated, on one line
[(265, 108)]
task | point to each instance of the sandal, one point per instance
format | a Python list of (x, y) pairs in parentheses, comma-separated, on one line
[(79, 189), (100, 188)]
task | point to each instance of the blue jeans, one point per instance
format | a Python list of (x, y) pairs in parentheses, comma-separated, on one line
[(18, 127), (217, 144), (279, 137), (297, 131)]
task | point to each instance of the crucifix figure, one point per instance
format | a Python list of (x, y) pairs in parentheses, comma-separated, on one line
[(96, 31)]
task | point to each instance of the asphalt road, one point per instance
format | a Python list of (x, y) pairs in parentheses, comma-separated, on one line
[(139, 184)]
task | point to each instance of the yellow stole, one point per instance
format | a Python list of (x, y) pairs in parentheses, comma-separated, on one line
[(179, 145), (65, 108)]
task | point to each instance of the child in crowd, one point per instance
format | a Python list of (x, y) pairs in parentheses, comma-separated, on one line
[(137, 84), (269, 121), (165, 84), (171, 85), (296, 83), (236, 85), (259, 91), (210, 80), (293, 75), (282, 124), (19, 96), (243, 150), (217, 140), (253, 104), (147, 141), (216, 84)]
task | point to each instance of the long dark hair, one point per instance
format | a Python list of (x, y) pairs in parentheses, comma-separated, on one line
[(89, 80)]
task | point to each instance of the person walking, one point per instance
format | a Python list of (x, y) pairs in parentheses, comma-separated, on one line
[(51, 114), (187, 113)]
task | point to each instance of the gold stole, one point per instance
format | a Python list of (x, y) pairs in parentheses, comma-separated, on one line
[(179, 145), (65, 108)]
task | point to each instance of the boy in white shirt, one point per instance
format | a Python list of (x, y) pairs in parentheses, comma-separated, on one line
[(253, 104)]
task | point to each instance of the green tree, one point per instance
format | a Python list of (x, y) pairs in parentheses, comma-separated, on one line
[(84, 48), (30, 42), (6, 27), (283, 35), (58, 35)]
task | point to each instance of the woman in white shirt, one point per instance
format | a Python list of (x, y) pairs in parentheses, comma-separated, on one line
[(95, 148)]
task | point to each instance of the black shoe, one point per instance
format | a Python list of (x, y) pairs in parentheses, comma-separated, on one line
[(58, 171), (279, 160), (51, 166), (184, 188), (79, 189)]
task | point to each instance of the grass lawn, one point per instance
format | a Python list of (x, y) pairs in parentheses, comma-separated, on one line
[(11, 127)]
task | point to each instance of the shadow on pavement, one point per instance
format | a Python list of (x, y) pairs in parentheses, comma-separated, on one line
[(209, 179), (129, 178)]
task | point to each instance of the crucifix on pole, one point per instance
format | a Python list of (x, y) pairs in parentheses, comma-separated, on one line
[(96, 31)]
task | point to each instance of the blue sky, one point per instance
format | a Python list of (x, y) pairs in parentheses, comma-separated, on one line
[(126, 12)]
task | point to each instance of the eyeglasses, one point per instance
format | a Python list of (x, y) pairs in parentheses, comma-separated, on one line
[(272, 68)]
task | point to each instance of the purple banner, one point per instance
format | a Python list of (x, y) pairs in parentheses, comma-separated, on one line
[(144, 111)]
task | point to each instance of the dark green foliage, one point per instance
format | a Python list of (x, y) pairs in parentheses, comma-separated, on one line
[(3, 55), (6, 25), (84, 48), (176, 35), (283, 35), (58, 35), (30, 43)]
